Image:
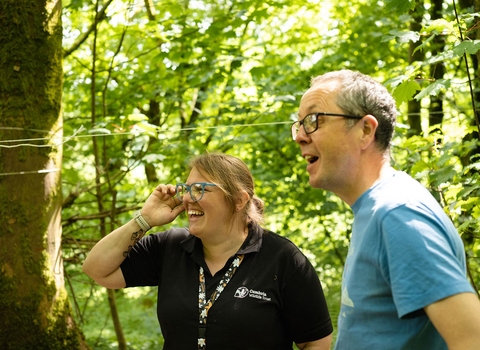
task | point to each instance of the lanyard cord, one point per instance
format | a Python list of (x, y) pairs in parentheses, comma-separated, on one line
[(204, 305)]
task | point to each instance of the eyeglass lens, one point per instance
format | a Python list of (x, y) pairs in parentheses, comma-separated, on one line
[(196, 191), (309, 124)]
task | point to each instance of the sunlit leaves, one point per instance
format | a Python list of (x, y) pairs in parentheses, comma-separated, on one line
[(469, 47), (402, 37), (400, 6), (439, 25), (228, 76), (434, 88), (405, 91)]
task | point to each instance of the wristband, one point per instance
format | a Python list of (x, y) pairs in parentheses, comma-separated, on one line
[(141, 221)]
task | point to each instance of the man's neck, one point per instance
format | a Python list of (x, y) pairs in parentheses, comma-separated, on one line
[(369, 174)]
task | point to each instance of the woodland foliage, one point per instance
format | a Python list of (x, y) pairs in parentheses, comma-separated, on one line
[(149, 84)]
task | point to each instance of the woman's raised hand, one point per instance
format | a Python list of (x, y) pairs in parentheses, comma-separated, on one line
[(162, 206)]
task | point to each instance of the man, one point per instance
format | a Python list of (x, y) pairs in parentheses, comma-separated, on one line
[(404, 283)]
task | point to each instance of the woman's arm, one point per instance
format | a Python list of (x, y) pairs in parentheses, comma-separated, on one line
[(104, 260), (320, 344)]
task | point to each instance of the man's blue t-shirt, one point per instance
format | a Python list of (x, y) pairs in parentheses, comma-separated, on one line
[(404, 254)]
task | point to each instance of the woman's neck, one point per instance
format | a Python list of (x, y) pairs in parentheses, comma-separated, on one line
[(216, 254)]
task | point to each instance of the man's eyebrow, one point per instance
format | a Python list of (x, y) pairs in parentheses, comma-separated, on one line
[(310, 109)]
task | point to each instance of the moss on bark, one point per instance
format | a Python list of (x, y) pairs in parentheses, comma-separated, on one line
[(34, 309)]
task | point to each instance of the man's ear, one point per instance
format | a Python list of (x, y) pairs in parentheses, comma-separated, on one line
[(369, 127), (242, 200)]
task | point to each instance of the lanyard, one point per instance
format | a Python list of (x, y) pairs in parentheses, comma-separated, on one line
[(204, 305)]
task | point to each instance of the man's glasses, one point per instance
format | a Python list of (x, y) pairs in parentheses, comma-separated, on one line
[(196, 190), (310, 122)]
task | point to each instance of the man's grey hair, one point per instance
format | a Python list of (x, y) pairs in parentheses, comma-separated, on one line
[(359, 94)]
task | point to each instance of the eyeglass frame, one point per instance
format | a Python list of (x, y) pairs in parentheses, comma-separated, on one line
[(301, 122), (189, 189)]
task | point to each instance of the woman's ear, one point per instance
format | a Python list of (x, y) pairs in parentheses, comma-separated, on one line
[(242, 200)]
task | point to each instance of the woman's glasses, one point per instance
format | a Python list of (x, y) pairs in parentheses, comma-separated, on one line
[(196, 190)]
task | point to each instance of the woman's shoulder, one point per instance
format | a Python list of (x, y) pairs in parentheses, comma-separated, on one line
[(281, 244), (174, 234)]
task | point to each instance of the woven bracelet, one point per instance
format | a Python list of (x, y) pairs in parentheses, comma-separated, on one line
[(141, 221)]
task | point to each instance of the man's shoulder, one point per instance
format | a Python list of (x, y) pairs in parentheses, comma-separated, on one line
[(402, 191)]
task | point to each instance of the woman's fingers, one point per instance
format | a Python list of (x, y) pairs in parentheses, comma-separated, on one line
[(163, 192)]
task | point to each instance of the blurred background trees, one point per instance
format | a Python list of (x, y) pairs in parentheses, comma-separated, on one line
[(150, 83)]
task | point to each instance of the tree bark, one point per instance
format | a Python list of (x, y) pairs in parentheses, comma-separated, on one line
[(35, 312), (414, 106)]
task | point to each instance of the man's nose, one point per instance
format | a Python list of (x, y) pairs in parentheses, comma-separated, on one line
[(302, 136)]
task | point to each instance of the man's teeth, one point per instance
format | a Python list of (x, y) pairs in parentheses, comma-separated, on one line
[(194, 212), (311, 159)]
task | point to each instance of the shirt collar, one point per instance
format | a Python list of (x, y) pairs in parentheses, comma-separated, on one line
[(252, 243)]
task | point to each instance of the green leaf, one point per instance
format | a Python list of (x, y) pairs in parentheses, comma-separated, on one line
[(470, 47), (402, 37), (442, 56), (434, 89), (476, 212), (439, 25), (405, 91), (137, 117), (149, 128), (394, 82), (469, 16), (399, 5), (424, 43)]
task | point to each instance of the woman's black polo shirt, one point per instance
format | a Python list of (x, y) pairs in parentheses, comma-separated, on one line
[(273, 299)]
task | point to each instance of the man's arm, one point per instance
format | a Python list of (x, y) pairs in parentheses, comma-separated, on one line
[(320, 344), (457, 319)]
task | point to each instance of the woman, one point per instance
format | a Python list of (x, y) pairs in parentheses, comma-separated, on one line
[(223, 283)]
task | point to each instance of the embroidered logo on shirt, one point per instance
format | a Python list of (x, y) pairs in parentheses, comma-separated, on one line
[(242, 292)]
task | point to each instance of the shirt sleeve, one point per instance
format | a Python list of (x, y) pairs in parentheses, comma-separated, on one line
[(422, 259), (142, 266), (305, 307)]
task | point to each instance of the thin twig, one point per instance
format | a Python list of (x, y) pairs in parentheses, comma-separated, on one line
[(472, 96)]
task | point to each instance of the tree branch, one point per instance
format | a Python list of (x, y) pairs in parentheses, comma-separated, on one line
[(81, 39), (101, 215), (150, 9)]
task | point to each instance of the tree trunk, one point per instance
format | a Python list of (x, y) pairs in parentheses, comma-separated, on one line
[(414, 106), (35, 312)]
